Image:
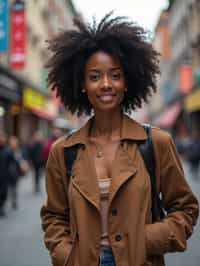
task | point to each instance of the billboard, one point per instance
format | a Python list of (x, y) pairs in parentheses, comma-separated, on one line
[(3, 26)]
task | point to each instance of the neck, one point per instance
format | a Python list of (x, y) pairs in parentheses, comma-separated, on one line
[(107, 125)]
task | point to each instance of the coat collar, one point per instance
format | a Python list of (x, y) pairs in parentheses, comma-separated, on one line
[(131, 130)]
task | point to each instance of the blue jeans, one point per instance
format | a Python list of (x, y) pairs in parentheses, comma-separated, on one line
[(106, 257)]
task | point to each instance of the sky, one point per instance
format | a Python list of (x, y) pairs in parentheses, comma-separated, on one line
[(143, 12)]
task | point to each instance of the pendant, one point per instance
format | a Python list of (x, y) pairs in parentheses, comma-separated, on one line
[(99, 154)]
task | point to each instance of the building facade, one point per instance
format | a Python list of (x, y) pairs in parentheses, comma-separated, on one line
[(161, 44), (33, 107), (179, 96), (192, 101)]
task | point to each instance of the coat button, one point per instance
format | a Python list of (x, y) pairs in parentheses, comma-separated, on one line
[(118, 237), (83, 147), (114, 212)]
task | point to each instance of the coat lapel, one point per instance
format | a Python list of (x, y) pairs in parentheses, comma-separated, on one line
[(122, 170), (84, 178)]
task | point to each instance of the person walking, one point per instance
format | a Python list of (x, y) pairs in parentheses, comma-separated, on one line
[(35, 156), (3, 175), (100, 214), (16, 167), (55, 133), (193, 153)]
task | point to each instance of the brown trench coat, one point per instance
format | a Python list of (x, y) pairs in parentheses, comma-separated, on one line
[(134, 240)]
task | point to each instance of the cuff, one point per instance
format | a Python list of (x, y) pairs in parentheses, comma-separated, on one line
[(157, 238)]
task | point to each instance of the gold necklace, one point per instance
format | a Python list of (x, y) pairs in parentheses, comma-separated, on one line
[(99, 152)]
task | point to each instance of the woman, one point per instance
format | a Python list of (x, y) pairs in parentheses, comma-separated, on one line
[(101, 214)]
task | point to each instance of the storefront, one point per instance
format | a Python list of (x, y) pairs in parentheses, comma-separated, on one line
[(169, 116), (3, 108), (174, 120), (10, 95), (38, 113), (192, 107)]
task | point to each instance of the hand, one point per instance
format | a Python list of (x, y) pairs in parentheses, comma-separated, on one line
[(24, 166)]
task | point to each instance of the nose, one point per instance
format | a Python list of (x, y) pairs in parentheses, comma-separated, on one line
[(106, 82)]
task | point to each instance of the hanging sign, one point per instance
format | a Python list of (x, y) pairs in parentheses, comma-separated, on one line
[(185, 78), (17, 35)]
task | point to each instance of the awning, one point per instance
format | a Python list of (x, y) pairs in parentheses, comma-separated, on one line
[(42, 114), (169, 116), (192, 101), (10, 86), (39, 105)]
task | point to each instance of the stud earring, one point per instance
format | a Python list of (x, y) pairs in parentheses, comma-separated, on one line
[(125, 89), (83, 91)]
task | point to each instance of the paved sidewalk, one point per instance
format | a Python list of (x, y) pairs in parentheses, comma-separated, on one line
[(20, 231)]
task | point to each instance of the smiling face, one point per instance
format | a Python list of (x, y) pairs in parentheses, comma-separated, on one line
[(104, 82)]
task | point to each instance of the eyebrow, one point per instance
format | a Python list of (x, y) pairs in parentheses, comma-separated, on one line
[(97, 70)]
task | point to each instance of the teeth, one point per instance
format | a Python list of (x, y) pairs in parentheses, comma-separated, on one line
[(106, 97)]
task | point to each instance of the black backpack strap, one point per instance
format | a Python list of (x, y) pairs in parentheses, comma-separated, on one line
[(70, 154), (147, 152)]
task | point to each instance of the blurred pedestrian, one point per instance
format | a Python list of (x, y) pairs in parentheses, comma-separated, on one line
[(54, 135), (35, 156), (193, 153), (3, 175), (101, 213), (17, 166)]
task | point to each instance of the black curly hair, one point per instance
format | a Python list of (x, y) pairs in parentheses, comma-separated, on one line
[(117, 36)]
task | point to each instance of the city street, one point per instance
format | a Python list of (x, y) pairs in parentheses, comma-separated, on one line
[(21, 234), (192, 256)]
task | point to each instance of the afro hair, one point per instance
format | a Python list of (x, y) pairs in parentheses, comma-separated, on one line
[(122, 39)]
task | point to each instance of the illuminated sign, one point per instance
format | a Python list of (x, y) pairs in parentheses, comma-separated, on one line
[(192, 101), (33, 99)]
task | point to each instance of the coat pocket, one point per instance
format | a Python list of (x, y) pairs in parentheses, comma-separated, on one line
[(60, 254), (71, 258)]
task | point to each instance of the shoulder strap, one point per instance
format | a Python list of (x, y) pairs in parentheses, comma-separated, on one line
[(69, 157), (70, 154), (147, 152)]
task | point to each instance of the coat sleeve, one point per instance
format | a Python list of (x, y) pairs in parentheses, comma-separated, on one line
[(171, 233), (55, 213)]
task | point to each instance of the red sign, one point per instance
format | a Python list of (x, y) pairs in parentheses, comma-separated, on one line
[(17, 36), (185, 78)]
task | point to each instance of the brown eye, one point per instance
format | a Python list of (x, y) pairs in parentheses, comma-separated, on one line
[(93, 77), (116, 76)]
